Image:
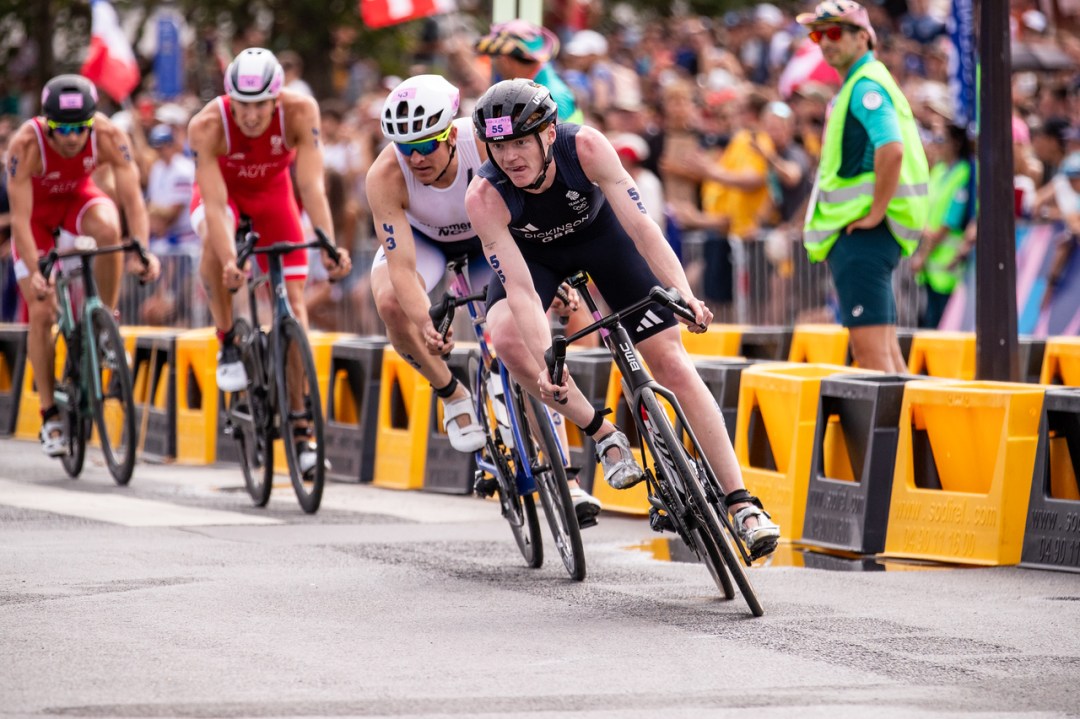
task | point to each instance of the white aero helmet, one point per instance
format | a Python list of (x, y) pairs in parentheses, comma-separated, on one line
[(422, 106), (254, 75)]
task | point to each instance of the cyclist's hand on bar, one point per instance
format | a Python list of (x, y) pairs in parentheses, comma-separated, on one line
[(40, 285), (343, 266), (551, 391), (434, 340), (146, 272), (566, 300), (702, 314), (232, 276)]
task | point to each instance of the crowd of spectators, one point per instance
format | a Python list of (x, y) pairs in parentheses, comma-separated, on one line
[(719, 119)]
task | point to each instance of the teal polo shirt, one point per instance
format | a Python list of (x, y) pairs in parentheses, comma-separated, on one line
[(871, 123)]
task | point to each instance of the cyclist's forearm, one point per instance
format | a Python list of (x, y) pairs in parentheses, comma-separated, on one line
[(411, 296), (666, 266), (23, 239)]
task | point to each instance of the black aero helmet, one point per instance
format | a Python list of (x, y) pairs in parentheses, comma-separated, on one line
[(69, 99), (513, 108)]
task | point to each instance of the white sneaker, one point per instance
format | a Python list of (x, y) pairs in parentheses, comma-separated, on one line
[(54, 440), (231, 375)]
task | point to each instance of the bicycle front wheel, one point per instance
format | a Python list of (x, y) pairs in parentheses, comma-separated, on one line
[(546, 459), (78, 427), (672, 454), (300, 409), (112, 399), (498, 460), (249, 419)]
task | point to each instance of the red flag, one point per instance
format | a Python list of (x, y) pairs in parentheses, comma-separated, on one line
[(381, 13), (110, 63), (806, 65)]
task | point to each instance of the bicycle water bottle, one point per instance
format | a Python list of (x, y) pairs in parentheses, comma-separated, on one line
[(498, 401)]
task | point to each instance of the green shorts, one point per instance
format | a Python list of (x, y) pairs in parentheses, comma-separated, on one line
[(862, 265)]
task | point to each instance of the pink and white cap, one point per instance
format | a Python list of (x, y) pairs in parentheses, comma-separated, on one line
[(844, 12)]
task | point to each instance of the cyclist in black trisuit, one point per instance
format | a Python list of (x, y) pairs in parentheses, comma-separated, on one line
[(552, 200)]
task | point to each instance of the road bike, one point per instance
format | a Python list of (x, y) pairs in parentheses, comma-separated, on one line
[(522, 454), (281, 400), (684, 494), (94, 388)]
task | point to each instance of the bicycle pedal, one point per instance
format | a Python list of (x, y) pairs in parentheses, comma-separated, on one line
[(764, 549), (485, 487), (660, 522), (586, 522)]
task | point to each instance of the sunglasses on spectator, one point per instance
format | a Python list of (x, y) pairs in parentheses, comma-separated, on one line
[(424, 147), (70, 128), (833, 32)]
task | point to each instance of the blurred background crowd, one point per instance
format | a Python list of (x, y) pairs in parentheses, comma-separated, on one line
[(716, 109)]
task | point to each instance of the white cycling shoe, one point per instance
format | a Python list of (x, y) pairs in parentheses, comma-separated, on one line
[(54, 439), (471, 437)]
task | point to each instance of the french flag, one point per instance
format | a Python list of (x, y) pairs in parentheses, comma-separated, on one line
[(110, 63)]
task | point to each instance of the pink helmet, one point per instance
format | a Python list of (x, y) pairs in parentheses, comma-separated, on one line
[(846, 12)]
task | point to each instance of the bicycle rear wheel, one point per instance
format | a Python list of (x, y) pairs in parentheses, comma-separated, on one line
[(671, 452), (300, 409), (500, 461), (546, 459), (67, 394), (249, 419), (113, 400)]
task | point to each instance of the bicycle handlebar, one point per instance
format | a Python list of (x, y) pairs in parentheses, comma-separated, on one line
[(48, 262), (251, 238), (555, 356), (442, 312)]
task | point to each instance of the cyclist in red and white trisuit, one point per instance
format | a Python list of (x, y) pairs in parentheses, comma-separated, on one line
[(243, 143), (51, 160)]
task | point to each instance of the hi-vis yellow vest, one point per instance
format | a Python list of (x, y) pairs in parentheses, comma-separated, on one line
[(839, 201)]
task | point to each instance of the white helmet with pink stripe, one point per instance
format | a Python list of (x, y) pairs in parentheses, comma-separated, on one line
[(419, 108), (254, 75)]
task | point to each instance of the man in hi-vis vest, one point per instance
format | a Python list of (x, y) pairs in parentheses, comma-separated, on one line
[(870, 201)]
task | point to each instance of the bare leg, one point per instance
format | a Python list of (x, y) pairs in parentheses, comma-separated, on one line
[(876, 347), (407, 340), (220, 299), (102, 222), (39, 340)]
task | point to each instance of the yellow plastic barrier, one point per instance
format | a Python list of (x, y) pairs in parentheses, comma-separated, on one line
[(719, 340), (981, 439), (819, 344), (196, 396), (774, 435), (322, 344), (949, 355), (404, 414), (28, 422), (1061, 362)]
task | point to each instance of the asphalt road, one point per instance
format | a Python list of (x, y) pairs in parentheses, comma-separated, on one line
[(175, 597)]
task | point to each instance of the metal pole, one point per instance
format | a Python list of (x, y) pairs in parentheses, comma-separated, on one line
[(996, 355)]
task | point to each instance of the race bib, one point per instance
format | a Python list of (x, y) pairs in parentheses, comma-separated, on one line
[(498, 126)]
